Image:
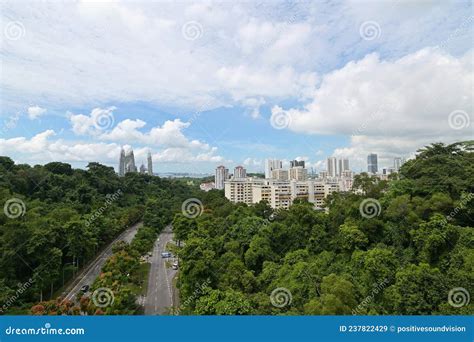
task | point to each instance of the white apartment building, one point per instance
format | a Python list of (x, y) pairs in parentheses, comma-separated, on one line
[(222, 174), (298, 173), (279, 174), (331, 166), (270, 165), (240, 172), (240, 190), (279, 194)]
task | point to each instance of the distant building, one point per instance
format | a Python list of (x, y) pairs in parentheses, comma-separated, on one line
[(150, 164), (372, 164), (279, 174), (331, 165), (240, 172), (126, 162), (295, 163), (298, 173), (343, 165), (397, 163), (207, 186), (222, 174), (270, 165)]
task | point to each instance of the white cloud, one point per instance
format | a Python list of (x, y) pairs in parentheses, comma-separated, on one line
[(35, 112), (41, 148), (98, 121), (390, 106)]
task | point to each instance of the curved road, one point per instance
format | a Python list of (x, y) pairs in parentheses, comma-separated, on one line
[(92, 271), (159, 298)]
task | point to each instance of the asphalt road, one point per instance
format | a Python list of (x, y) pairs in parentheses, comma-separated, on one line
[(88, 275), (159, 298)]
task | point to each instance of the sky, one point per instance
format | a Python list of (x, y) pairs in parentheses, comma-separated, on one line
[(204, 83)]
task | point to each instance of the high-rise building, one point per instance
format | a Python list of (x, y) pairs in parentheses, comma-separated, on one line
[(222, 174), (298, 173), (343, 165), (122, 163), (142, 169), (280, 174), (126, 162), (372, 165), (332, 166), (295, 163), (397, 163), (240, 172), (270, 165), (150, 164)]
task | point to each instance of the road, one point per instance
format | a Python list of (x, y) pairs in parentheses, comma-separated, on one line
[(159, 298), (92, 271)]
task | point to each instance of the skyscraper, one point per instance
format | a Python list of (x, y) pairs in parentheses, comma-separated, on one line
[(122, 163), (150, 164), (372, 165), (270, 165), (397, 163), (332, 166), (126, 162), (343, 165), (295, 163), (222, 174), (240, 172)]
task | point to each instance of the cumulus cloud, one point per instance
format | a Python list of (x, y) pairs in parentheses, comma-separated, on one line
[(35, 112), (98, 121), (390, 106)]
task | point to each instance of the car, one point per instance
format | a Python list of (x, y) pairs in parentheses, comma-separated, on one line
[(166, 255), (85, 288), (150, 254), (174, 266)]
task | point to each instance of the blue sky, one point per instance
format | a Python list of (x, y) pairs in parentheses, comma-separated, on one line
[(206, 83)]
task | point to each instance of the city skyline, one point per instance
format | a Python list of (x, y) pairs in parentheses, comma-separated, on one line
[(290, 84)]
